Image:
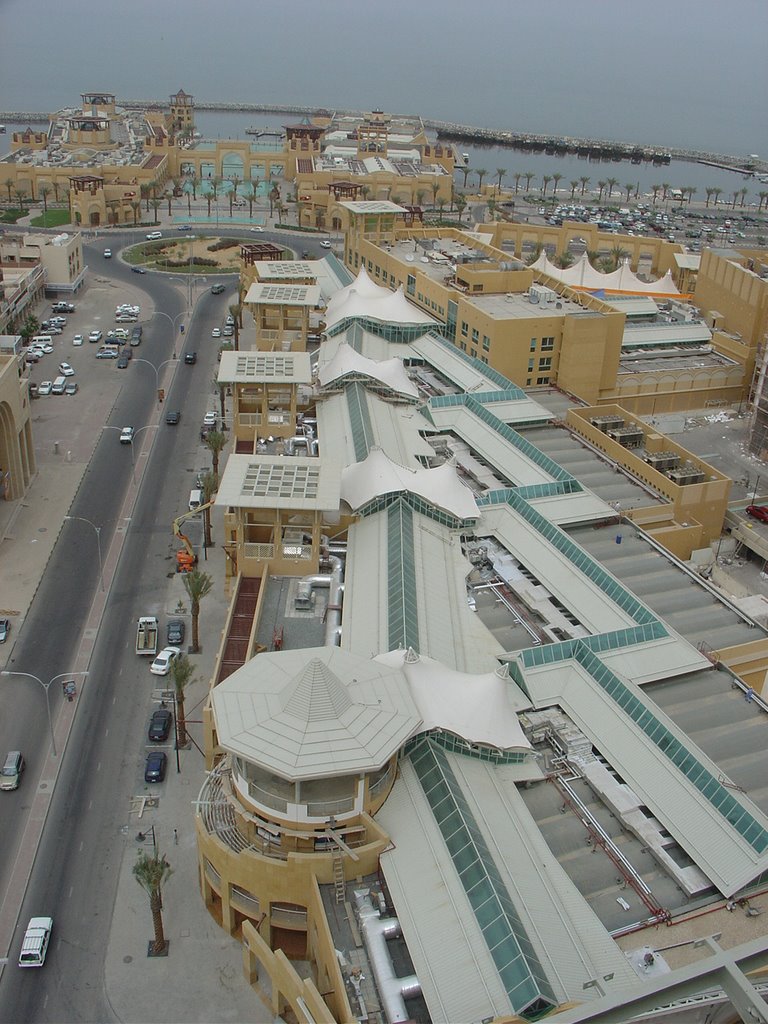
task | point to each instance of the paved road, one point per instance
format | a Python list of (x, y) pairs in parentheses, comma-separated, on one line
[(75, 873)]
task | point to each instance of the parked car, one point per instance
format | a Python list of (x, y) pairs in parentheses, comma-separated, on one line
[(228, 332), (107, 254), (71, 388), (217, 289), (172, 418), (174, 632), (190, 358), (209, 420), (44, 388), (160, 725), (161, 666), (138, 270), (122, 362), (95, 336), (66, 370), (5, 628), (155, 765), (759, 512), (126, 435), (77, 340), (107, 353)]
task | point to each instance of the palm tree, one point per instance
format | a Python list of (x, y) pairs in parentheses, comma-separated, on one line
[(517, 176), (664, 190), (763, 197), (209, 485), (629, 189), (574, 184), (193, 183), (236, 311), (690, 191), (21, 195), (29, 328), (492, 208), (593, 256), (529, 176), (717, 192), (601, 186), (735, 197), (440, 208), (198, 585), (152, 871), (155, 206), (481, 173), (461, 205), (500, 173), (214, 442), (209, 199), (584, 182), (466, 171), (136, 207), (655, 189), (605, 264), (181, 673), (112, 204), (563, 259), (612, 183), (9, 183), (44, 191), (420, 196), (743, 194), (617, 255), (56, 189), (538, 249), (544, 182), (556, 178), (710, 193), (233, 194)]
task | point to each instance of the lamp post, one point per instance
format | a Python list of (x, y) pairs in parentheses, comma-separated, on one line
[(149, 426), (45, 686), (97, 530), (157, 370)]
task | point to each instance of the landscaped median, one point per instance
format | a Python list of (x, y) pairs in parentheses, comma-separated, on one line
[(208, 254)]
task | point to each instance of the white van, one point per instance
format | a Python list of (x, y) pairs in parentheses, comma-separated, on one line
[(58, 386), (34, 946), (195, 499), (42, 339), (10, 776), (154, 235)]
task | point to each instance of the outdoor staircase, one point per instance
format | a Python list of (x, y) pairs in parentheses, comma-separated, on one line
[(338, 877)]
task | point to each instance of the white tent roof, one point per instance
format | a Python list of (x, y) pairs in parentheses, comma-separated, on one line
[(378, 474), (390, 372), (478, 708), (583, 275), (363, 298)]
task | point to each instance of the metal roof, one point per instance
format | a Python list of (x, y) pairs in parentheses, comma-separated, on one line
[(265, 367), (283, 295)]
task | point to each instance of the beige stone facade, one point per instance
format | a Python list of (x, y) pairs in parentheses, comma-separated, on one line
[(17, 453)]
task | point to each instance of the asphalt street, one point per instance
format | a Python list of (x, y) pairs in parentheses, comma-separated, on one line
[(75, 870)]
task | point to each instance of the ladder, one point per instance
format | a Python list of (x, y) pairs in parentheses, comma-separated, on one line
[(338, 877)]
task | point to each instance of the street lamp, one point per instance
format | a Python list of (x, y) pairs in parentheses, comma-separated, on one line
[(157, 370), (45, 686), (97, 529), (149, 426)]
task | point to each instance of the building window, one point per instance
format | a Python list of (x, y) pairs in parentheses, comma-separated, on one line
[(533, 344), (475, 335), (542, 380), (463, 346), (473, 353), (528, 382), (464, 328), (484, 359), (411, 289), (545, 363), (486, 343), (530, 365), (547, 344)]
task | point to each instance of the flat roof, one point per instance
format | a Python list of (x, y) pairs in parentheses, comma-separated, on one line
[(265, 481), (283, 294), (264, 367), (372, 206)]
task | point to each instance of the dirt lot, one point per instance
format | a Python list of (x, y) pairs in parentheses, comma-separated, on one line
[(178, 249)]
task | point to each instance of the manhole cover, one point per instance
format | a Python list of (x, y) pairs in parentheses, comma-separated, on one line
[(42, 529), (127, 959)]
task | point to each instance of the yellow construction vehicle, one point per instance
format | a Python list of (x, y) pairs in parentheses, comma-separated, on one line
[(186, 557)]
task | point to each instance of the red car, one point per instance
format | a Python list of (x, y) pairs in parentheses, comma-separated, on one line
[(759, 512)]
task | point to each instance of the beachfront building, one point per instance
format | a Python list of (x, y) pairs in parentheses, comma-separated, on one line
[(473, 751), (625, 337)]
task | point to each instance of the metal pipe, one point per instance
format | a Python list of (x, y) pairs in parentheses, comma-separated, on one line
[(393, 991)]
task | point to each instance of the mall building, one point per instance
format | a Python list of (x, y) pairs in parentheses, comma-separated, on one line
[(475, 749)]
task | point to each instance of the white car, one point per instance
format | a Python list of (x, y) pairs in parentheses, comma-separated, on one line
[(66, 370), (126, 435), (209, 420), (77, 340), (257, 229), (44, 347), (154, 235), (325, 244), (216, 332), (161, 666), (128, 308), (44, 388), (94, 336), (126, 318), (107, 254)]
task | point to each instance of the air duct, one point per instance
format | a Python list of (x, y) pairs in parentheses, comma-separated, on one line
[(393, 991), (336, 589)]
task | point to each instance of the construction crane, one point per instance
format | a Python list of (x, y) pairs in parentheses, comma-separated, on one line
[(186, 557)]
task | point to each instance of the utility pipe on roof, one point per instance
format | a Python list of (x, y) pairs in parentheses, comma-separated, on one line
[(335, 592), (393, 991)]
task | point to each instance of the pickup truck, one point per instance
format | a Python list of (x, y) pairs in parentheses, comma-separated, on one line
[(146, 635)]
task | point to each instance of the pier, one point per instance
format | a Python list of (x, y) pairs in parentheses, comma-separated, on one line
[(590, 149)]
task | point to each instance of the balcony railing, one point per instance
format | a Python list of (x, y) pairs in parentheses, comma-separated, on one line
[(381, 783), (325, 808), (261, 552)]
